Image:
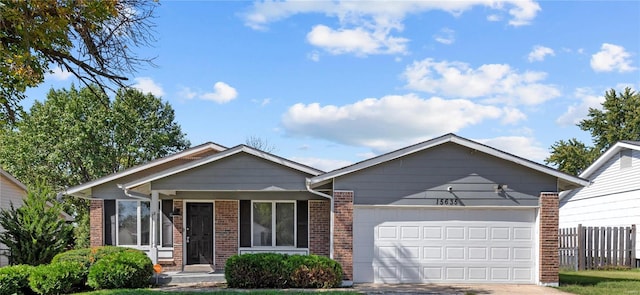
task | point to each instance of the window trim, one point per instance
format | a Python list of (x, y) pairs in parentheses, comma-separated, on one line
[(273, 224), (139, 225)]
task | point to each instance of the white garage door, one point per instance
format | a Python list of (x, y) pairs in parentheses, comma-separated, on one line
[(439, 245)]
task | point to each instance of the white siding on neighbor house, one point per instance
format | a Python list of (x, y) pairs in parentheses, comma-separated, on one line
[(613, 199), (9, 193)]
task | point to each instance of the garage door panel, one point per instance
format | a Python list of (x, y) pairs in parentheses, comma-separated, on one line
[(449, 251)]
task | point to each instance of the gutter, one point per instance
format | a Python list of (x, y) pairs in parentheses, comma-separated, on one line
[(307, 185), (132, 194)]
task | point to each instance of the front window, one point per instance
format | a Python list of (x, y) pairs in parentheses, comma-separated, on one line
[(134, 224), (264, 222)]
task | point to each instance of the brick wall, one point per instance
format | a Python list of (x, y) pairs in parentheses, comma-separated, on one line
[(96, 222), (226, 233), (176, 265), (343, 231), (549, 262), (319, 227)]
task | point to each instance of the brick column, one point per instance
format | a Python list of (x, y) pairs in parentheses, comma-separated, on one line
[(549, 261), (343, 231), (177, 237), (226, 233), (96, 223), (319, 227)]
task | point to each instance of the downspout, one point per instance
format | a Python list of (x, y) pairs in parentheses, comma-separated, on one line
[(307, 185)]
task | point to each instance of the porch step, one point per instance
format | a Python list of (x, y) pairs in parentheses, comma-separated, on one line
[(190, 277)]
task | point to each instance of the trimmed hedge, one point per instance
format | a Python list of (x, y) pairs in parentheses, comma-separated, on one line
[(273, 270), (125, 269), (15, 279), (62, 277), (87, 257)]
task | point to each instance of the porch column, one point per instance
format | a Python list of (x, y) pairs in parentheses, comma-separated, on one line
[(549, 261), (153, 250)]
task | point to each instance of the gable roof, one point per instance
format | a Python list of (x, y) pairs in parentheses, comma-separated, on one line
[(565, 181), (182, 154), (612, 151), (13, 179), (21, 185), (221, 155)]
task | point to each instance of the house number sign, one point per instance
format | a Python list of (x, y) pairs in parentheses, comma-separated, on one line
[(447, 201)]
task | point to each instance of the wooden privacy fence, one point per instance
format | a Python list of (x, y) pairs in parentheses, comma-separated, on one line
[(586, 247)]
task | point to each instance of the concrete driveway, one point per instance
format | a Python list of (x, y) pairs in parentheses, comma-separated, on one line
[(454, 289), (400, 289)]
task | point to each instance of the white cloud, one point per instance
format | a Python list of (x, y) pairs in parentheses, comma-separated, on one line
[(512, 115), (322, 164), (445, 36), (495, 83), (147, 85), (366, 29), (387, 123), (494, 18), (262, 13), (539, 53), (262, 102), (611, 58), (59, 74), (525, 147), (579, 111), (222, 93), (314, 56), (187, 93), (357, 41)]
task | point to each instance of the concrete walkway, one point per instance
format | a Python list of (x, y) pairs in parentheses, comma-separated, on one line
[(400, 289)]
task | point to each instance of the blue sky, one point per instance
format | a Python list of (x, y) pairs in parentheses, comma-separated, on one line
[(332, 83)]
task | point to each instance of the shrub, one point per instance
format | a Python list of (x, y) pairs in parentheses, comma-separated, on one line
[(57, 278), (122, 269), (15, 279), (314, 271), (87, 257), (34, 232), (270, 270)]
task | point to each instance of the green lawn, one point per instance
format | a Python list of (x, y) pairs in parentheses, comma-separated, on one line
[(596, 282), (221, 292)]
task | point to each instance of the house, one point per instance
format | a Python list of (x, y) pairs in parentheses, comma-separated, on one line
[(613, 197), (12, 191), (445, 210)]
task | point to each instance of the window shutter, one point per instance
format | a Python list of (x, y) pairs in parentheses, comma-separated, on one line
[(245, 223), (109, 222), (303, 224)]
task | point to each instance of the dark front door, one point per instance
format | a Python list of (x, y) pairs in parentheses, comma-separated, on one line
[(199, 233)]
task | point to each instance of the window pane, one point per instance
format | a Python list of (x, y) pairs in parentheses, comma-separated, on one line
[(262, 224), (167, 224), (285, 224), (145, 223), (127, 222)]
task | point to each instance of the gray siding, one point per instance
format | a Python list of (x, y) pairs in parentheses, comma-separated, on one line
[(423, 177), (237, 172), (256, 196)]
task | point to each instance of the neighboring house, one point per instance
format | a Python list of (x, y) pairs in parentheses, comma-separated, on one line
[(613, 197), (12, 191), (445, 210)]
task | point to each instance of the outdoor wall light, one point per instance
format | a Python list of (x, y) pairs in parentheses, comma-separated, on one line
[(175, 212)]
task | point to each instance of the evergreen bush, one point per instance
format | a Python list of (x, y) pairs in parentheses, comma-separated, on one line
[(272, 270), (15, 279), (123, 269), (57, 278)]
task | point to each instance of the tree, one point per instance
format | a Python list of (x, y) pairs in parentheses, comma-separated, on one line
[(93, 40), (618, 120), (35, 232), (72, 138), (260, 144)]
